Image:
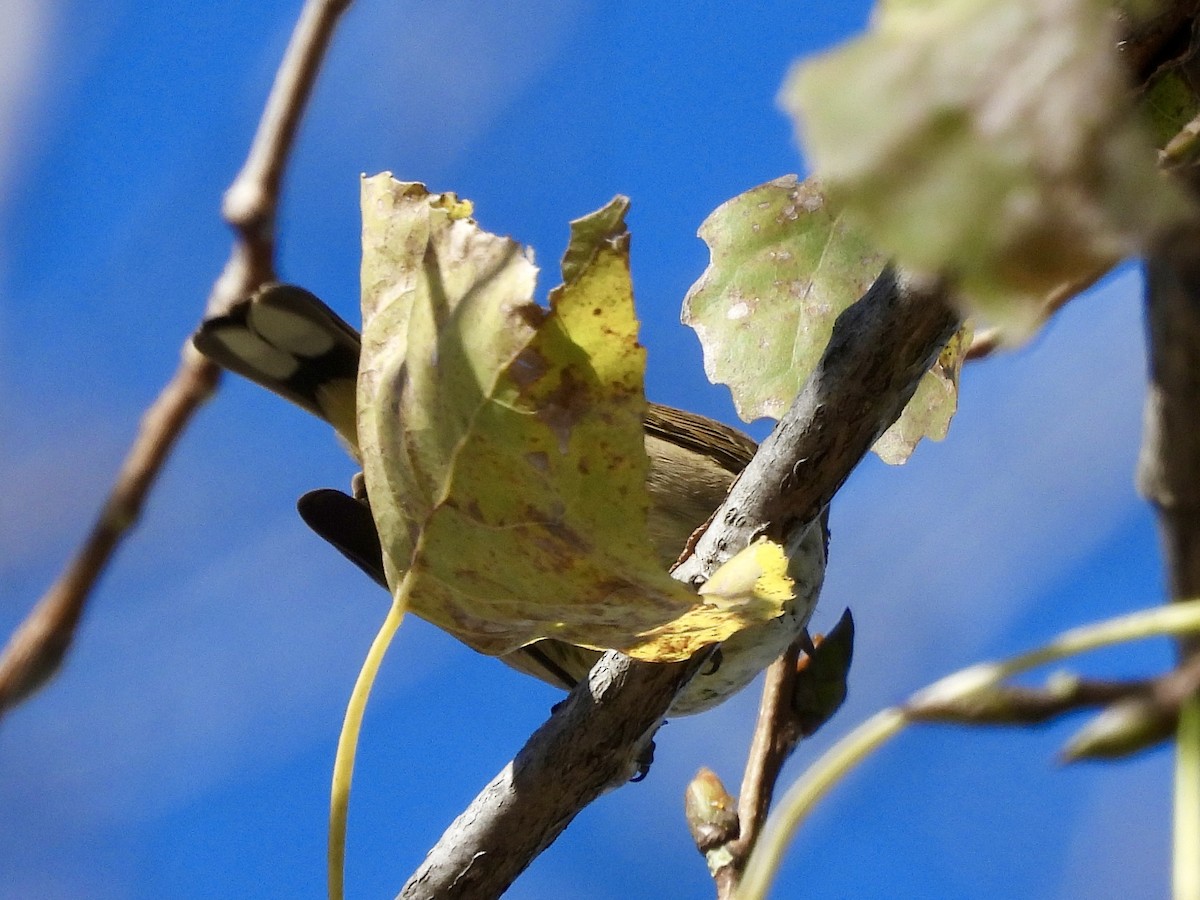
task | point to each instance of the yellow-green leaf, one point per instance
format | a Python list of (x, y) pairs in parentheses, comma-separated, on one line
[(932, 406), (502, 443), (989, 140), (784, 263)]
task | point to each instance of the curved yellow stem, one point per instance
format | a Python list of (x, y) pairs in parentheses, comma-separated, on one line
[(1186, 853), (803, 795), (343, 763)]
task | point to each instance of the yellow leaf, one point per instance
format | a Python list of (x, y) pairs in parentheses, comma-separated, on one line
[(759, 572)]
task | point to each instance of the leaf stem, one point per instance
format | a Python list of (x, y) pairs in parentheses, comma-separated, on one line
[(343, 763), (1186, 852)]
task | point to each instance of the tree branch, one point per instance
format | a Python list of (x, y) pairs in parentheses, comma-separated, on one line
[(800, 694), (1169, 464), (1169, 476), (1018, 705), (775, 735), (595, 740), (880, 348), (1138, 713), (38, 646)]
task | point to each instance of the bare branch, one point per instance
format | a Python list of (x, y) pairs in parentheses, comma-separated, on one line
[(1169, 465), (595, 740), (775, 735), (37, 648), (799, 695), (1147, 716), (251, 201), (1138, 713)]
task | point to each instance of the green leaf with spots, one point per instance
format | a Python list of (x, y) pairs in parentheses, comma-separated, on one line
[(784, 263)]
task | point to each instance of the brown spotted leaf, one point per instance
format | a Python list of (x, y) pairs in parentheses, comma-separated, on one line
[(502, 443)]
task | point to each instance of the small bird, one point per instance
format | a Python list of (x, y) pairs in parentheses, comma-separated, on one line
[(287, 340)]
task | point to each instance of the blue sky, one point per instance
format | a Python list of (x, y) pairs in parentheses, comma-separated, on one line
[(185, 750)]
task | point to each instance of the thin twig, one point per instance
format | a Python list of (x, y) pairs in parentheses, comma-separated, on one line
[(1019, 705), (38, 646), (799, 695), (775, 736)]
